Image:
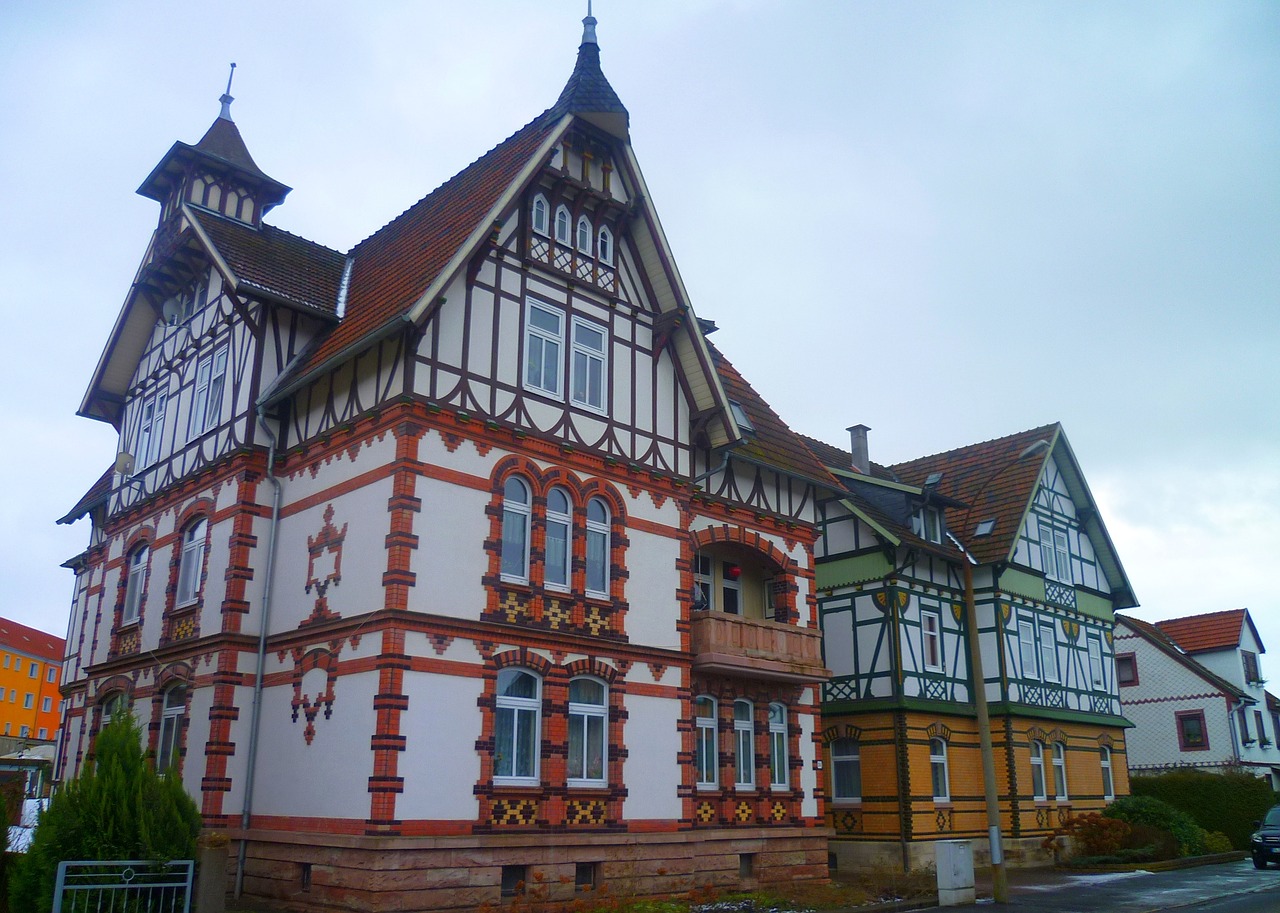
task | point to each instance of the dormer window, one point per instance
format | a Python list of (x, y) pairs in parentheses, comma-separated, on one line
[(584, 235), (927, 524), (541, 215), (740, 416)]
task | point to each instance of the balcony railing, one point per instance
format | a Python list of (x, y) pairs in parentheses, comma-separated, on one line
[(733, 645)]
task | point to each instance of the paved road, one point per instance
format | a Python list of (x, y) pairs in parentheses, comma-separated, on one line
[(1203, 888)]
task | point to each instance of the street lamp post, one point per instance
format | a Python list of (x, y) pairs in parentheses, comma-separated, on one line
[(999, 877)]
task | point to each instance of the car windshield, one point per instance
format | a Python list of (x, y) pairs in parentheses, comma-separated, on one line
[(1273, 817)]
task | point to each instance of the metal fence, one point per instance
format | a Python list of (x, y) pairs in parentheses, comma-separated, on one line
[(124, 886)]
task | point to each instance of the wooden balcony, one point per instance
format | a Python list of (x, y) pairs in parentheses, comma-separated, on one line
[(749, 647)]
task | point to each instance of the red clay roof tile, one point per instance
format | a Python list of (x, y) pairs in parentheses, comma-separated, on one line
[(1202, 633)]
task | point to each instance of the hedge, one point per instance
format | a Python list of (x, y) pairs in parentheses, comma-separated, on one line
[(1228, 803)]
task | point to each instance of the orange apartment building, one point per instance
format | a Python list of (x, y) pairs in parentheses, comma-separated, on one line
[(30, 665)]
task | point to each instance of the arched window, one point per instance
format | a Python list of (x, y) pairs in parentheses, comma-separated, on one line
[(597, 548), (744, 744), (1108, 784), (1037, 770), (517, 727), (541, 222), (1060, 770), (135, 584), (515, 531), (559, 522), (584, 235), (778, 745), (588, 724), (846, 766), (562, 225), (169, 745), (604, 245), (191, 562), (938, 765), (113, 704), (705, 755)]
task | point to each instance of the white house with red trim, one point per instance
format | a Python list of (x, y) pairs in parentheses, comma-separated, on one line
[(1193, 689)]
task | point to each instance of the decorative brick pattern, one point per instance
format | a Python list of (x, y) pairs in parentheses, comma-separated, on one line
[(514, 812)]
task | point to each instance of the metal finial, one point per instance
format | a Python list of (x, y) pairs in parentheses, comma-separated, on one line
[(226, 98)]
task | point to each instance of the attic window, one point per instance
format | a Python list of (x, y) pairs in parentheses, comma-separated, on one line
[(927, 524), (740, 416), (933, 479), (985, 528)]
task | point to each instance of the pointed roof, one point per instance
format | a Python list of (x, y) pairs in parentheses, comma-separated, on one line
[(221, 148), (588, 94), (1210, 631), (97, 494), (1161, 641)]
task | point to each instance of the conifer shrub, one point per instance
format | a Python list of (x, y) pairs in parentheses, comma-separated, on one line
[(1228, 802), (1145, 810), (118, 808)]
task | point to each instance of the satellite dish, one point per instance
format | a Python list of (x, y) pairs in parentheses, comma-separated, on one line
[(172, 310), (124, 463)]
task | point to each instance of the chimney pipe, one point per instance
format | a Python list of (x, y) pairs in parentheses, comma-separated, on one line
[(858, 445)]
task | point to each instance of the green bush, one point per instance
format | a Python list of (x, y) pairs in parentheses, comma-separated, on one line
[(1161, 815), (1217, 842), (1228, 803), (118, 808)]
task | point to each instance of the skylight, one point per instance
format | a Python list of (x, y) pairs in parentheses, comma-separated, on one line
[(933, 479), (740, 416), (985, 528)]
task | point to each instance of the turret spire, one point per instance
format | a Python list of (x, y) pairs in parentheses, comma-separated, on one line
[(589, 27), (587, 93), (226, 99)]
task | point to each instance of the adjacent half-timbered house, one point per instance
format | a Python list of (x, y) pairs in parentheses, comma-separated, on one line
[(1194, 689), (899, 725), (459, 561)]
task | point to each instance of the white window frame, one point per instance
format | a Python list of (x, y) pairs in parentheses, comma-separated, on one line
[(778, 773), (938, 762), (1097, 677), (604, 245), (931, 640), (44, 733), (744, 744), (597, 583), (582, 715), (515, 530), (556, 572), (1038, 782), (525, 713), (1048, 651), (1062, 550), (151, 428), (846, 754), (28, 701), (706, 748), (563, 225), (928, 524), (584, 233), (1027, 652), (169, 742), (588, 365), (1108, 781), (1060, 771), (52, 675), (206, 394), (136, 582), (704, 582), (540, 215), (547, 343), (33, 669), (46, 705), (191, 562), (729, 585)]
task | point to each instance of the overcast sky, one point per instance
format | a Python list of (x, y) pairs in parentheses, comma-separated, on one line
[(948, 221)]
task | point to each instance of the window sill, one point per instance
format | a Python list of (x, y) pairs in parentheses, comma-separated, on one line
[(507, 783), (708, 787), (586, 785), (847, 803)]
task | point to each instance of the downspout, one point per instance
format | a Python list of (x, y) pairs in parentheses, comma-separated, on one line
[(256, 714)]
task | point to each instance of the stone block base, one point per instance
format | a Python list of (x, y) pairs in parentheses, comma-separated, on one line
[(314, 872), (920, 855)]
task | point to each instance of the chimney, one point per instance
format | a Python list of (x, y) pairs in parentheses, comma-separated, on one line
[(858, 445)]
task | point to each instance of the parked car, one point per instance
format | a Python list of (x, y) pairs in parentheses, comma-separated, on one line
[(1264, 843)]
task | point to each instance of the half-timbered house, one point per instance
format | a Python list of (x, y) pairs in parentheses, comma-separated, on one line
[(899, 725), (458, 561)]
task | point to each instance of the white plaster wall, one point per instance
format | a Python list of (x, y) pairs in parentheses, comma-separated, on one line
[(651, 770), (193, 764), (330, 777), (808, 776), (652, 590), (450, 560), (837, 638), (440, 765)]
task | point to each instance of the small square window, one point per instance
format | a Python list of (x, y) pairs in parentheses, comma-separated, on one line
[(746, 865), (985, 528), (1191, 730), (584, 876), (514, 879), (1126, 669)]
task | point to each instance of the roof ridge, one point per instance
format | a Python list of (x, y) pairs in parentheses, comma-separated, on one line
[(298, 237), (536, 122), (994, 440), (1201, 615)]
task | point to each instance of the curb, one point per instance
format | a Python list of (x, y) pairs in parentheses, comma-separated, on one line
[(1166, 865)]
